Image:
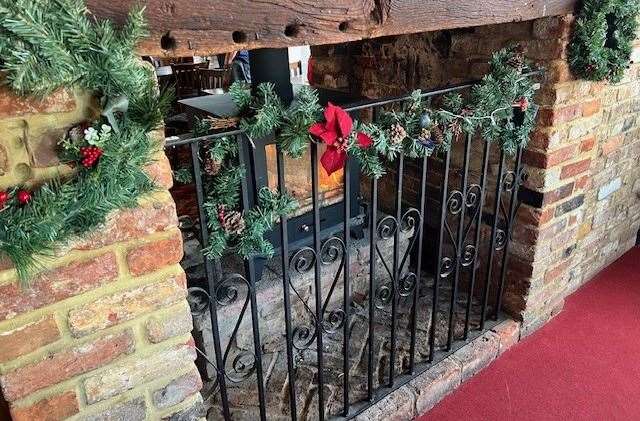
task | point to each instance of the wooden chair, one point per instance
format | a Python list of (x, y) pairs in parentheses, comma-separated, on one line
[(213, 78), (186, 79)]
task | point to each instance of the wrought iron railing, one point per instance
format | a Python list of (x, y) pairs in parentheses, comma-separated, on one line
[(472, 218)]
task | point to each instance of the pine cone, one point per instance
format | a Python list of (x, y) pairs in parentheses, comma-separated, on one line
[(76, 133), (233, 223), (517, 60), (398, 133), (456, 128), (212, 167), (438, 135)]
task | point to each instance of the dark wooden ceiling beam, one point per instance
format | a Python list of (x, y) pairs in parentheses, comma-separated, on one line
[(197, 27)]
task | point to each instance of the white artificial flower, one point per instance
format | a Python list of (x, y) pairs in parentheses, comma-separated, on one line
[(91, 135), (105, 129)]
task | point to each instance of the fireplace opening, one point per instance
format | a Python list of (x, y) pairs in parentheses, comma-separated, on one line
[(425, 257)]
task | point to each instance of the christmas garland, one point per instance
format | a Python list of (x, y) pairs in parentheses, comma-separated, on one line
[(602, 39), (229, 228), (499, 108), (53, 44)]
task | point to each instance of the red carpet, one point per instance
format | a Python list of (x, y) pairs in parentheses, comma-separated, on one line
[(583, 365)]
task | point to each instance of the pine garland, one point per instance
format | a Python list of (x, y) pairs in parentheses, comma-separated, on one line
[(52, 44), (602, 40), (247, 238)]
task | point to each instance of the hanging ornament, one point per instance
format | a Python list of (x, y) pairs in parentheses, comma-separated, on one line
[(426, 141), (24, 197), (425, 121), (112, 106), (4, 198), (233, 223), (90, 155), (398, 133), (212, 167)]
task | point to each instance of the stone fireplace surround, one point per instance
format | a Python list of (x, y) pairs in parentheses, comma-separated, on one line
[(102, 347)]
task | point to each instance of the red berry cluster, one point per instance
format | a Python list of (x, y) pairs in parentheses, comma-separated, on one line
[(4, 198), (23, 197), (221, 214), (90, 155)]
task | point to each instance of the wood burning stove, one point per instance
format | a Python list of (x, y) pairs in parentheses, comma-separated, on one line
[(272, 65)]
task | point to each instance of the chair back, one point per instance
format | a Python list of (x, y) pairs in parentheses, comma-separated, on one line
[(213, 78), (186, 78), (295, 69)]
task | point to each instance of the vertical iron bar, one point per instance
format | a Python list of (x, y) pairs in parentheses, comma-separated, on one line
[(284, 241), (436, 281), (459, 243), (373, 238), (416, 292), (250, 272), (318, 274), (396, 270), (483, 181), (510, 218), (214, 273), (492, 244), (347, 286)]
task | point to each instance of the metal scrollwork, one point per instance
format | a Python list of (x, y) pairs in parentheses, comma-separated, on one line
[(303, 336), (199, 300), (303, 260), (243, 365), (387, 227), (468, 255), (384, 295), (474, 192), (332, 250), (509, 181), (410, 219), (447, 265), (333, 321), (455, 202), (407, 284), (501, 239)]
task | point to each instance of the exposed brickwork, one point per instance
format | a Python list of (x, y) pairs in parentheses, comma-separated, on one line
[(151, 256), (581, 210), (112, 300), (54, 408), (28, 338)]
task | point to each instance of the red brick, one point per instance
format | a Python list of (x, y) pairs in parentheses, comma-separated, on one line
[(535, 216), (557, 271), (509, 333), (126, 305), (549, 159), (64, 365), (152, 256), (571, 170), (28, 338), (555, 116), (13, 105), (54, 408), (160, 172), (134, 223), (57, 284), (590, 108), (583, 182), (587, 144), (558, 194), (611, 145)]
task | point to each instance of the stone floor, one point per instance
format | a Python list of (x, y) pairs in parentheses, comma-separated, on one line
[(243, 394)]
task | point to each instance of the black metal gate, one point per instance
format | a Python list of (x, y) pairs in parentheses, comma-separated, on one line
[(465, 216)]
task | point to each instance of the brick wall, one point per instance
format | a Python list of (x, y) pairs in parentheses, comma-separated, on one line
[(581, 205), (104, 331)]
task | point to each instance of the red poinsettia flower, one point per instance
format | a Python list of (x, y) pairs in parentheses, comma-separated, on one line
[(335, 132)]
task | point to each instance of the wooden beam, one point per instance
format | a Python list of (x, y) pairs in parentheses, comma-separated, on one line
[(201, 27)]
